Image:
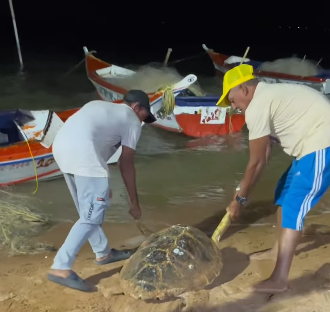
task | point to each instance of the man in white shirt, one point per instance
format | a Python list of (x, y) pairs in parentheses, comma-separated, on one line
[(81, 149), (298, 117)]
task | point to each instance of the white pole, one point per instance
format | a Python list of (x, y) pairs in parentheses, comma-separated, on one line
[(16, 34), (169, 51)]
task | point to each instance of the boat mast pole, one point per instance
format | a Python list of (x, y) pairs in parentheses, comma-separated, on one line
[(169, 51), (16, 35)]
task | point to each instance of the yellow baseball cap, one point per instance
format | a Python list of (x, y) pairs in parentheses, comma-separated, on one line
[(232, 79)]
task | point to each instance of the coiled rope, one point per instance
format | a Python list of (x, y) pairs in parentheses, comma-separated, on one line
[(168, 100)]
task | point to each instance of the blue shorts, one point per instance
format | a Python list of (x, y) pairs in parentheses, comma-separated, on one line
[(302, 186)]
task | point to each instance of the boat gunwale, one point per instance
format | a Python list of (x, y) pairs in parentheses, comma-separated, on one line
[(215, 56), (95, 78)]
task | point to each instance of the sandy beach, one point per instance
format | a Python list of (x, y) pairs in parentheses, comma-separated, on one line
[(24, 286)]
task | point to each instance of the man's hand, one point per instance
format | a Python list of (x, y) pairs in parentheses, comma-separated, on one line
[(135, 211), (234, 210)]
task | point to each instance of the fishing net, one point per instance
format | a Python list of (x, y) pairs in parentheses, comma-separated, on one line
[(152, 78), (19, 222), (291, 66)]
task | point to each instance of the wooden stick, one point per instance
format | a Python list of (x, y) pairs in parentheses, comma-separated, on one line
[(245, 54), (221, 228), (16, 35), (143, 229), (169, 51)]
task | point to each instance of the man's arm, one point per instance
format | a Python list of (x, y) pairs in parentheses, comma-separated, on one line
[(259, 151), (268, 154), (127, 169)]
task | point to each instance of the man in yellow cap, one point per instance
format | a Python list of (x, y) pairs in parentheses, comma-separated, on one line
[(298, 117)]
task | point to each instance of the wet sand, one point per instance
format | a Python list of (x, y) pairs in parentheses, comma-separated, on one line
[(24, 286)]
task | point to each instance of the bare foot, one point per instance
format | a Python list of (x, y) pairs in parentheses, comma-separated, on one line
[(269, 254), (270, 286), (60, 273)]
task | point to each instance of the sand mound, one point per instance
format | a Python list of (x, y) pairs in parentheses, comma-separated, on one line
[(291, 66), (19, 222), (150, 78)]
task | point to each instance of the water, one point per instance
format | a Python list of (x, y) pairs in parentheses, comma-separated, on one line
[(178, 178)]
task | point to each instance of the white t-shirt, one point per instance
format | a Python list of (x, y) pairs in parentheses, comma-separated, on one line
[(298, 116), (92, 135)]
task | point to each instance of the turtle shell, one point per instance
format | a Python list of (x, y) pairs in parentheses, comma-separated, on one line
[(170, 262)]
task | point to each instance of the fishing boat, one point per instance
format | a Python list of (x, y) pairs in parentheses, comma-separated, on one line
[(192, 115), (22, 157), (222, 63)]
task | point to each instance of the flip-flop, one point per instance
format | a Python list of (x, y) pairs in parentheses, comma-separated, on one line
[(115, 256), (72, 281)]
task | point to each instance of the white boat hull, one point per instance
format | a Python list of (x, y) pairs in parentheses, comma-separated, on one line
[(22, 170)]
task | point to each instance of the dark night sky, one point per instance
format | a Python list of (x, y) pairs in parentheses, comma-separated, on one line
[(139, 32)]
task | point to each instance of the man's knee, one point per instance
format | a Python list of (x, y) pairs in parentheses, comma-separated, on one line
[(292, 218)]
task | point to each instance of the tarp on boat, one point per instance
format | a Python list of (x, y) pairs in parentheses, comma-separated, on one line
[(39, 126)]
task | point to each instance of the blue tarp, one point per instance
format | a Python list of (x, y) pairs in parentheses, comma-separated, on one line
[(196, 101), (20, 116), (8, 126)]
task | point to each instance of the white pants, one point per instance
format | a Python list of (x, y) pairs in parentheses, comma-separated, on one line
[(91, 197)]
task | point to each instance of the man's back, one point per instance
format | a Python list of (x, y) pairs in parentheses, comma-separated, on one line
[(92, 135), (298, 116)]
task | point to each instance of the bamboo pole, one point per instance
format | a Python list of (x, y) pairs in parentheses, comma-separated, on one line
[(16, 35), (169, 50), (318, 63), (245, 54)]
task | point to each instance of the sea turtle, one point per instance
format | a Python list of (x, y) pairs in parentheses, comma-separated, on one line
[(173, 261)]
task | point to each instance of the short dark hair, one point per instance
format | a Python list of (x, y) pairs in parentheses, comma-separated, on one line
[(252, 82), (133, 96), (142, 98)]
